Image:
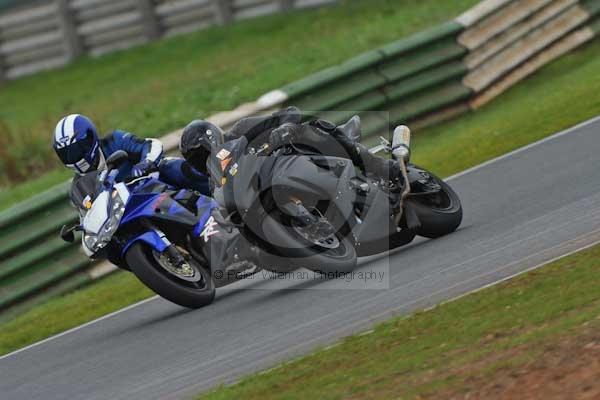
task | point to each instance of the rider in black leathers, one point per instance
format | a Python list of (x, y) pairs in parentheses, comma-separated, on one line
[(200, 138)]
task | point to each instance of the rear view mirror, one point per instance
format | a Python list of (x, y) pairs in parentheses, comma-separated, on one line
[(116, 159), (66, 233)]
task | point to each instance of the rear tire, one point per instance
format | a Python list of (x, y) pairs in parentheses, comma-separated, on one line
[(438, 220), (166, 285)]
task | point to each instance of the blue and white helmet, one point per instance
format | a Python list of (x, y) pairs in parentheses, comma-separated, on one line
[(76, 143)]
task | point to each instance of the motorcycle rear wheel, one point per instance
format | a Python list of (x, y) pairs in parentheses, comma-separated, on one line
[(169, 286), (440, 214)]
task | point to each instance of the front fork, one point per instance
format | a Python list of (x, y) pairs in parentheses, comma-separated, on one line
[(157, 240)]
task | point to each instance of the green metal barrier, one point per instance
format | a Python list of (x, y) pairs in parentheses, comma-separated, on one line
[(33, 258), (409, 78), (592, 6)]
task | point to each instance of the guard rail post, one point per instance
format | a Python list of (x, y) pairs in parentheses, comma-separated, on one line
[(223, 11), (2, 69), (286, 5), (74, 44), (149, 19)]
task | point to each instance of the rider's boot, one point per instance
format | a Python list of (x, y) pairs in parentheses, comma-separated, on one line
[(360, 155), (383, 168)]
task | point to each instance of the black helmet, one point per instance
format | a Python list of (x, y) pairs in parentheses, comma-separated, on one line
[(198, 139)]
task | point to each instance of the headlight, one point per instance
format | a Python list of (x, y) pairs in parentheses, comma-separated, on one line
[(96, 242)]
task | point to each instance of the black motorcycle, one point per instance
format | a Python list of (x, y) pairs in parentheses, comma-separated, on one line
[(306, 205)]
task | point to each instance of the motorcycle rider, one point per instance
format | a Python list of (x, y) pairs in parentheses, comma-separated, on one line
[(200, 138), (78, 146)]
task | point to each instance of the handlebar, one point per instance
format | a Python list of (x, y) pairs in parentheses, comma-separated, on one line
[(131, 179), (264, 149)]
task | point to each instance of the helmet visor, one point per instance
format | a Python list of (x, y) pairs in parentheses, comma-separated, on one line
[(77, 151), (197, 158)]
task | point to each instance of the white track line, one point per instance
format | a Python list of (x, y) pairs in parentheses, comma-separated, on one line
[(465, 172), (507, 278), (80, 327)]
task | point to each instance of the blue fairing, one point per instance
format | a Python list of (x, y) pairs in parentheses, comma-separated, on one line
[(144, 201), (205, 206), (142, 204), (151, 238)]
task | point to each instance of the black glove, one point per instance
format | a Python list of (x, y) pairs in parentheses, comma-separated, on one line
[(285, 134), (291, 115), (143, 168)]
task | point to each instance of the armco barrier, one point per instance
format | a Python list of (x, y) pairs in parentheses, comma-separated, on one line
[(390, 78), (421, 80), (32, 256)]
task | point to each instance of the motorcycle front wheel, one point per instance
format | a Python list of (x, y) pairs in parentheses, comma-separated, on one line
[(332, 253), (191, 286)]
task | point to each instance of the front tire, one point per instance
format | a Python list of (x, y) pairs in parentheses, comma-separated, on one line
[(339, 261), (321, 262), (440, 214), (184, 293), (294, 251)]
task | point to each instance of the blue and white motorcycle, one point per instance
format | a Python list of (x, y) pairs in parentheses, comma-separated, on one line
[(168, 238)]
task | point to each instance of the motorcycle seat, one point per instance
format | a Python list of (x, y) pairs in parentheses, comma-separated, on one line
[(352, 129)]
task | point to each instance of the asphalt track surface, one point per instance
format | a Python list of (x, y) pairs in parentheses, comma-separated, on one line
[(521, 210)]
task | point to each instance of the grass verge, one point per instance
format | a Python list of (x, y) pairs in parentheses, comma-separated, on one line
[(197, 74), (452, 350), (529, 111)]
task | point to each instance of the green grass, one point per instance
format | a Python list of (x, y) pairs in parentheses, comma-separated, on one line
[(531, 110), (157, 88), (434, 351)]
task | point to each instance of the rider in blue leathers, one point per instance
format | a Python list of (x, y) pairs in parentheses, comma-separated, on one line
[(79, 148)]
